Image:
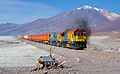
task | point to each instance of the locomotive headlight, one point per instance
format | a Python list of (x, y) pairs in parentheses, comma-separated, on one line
[(84, 37)]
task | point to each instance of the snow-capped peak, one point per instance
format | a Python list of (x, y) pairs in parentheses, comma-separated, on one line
[(96, 9), (87, 7), (79, 8)]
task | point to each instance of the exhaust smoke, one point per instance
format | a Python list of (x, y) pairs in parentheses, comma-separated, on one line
[(80, 23)]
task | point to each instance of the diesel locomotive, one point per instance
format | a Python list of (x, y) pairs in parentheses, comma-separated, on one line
[(71, 38)]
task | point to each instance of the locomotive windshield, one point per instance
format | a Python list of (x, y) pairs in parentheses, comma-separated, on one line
[(79, 34), (74, 34), (82, 34)]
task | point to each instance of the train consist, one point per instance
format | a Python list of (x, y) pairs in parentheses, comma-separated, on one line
[(72, 38)]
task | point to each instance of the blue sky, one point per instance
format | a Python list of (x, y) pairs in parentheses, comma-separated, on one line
[(23, 11)]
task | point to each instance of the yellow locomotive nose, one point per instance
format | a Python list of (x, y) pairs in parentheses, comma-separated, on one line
[(78, 38)]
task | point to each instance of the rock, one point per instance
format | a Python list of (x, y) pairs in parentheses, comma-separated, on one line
[(119, 50), (92, 61)]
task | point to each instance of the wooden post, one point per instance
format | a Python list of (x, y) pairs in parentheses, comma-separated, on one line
[(50, 52)]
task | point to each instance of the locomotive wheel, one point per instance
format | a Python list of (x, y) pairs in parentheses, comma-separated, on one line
[(64, 45), (85, 46), (49, 42), (54, 43), (70, 46), (58, 44), (81, 48)]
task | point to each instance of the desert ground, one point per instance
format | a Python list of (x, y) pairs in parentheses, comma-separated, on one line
[(20, 56)]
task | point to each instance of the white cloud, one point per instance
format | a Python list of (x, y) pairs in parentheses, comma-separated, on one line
[(15, 11)]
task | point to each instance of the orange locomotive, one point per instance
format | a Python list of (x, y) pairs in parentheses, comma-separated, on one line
[(71, 38)]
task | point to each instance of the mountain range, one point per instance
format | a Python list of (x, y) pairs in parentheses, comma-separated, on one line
[(100, 20)]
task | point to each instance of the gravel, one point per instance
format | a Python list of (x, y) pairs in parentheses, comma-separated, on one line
[(86, 61), (106, 43)]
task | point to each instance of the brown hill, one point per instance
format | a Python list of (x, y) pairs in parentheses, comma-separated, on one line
[(113, 26), (109, 15)]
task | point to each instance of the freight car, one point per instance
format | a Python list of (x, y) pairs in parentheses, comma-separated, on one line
[(71, 38)]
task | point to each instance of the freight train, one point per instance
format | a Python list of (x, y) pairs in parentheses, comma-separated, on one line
[(71, 38)]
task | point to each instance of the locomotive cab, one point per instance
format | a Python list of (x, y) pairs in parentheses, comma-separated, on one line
[(75, 38), (79, 36)]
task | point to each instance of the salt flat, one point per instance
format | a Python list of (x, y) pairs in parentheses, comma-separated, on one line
[(14, 52), (97, 39)]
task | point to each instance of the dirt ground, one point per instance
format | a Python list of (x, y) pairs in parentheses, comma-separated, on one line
[(88, 61), (14, 52)]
